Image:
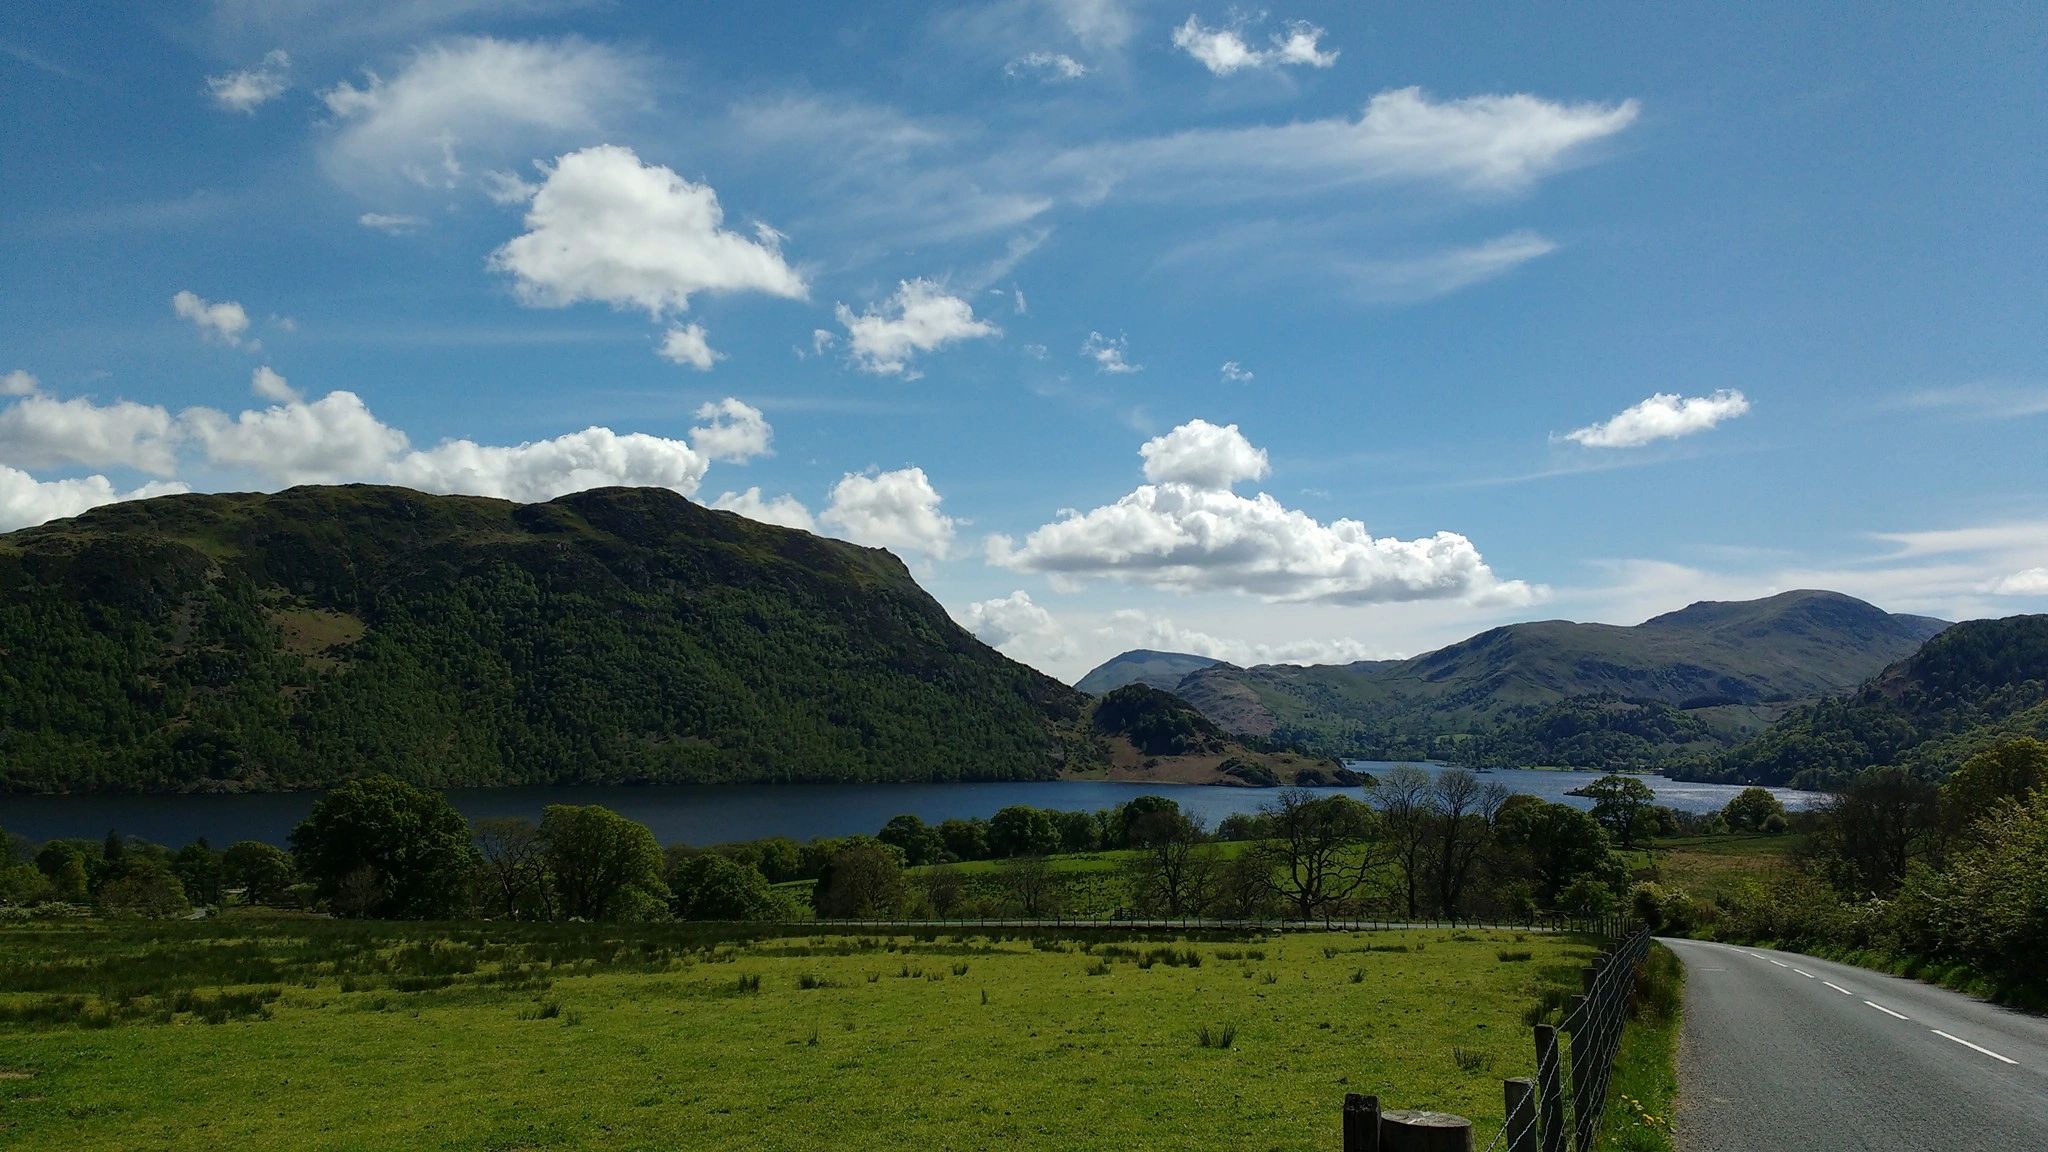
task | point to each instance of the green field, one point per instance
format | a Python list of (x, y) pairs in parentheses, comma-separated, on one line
[(1710, 866), (321, 1034)]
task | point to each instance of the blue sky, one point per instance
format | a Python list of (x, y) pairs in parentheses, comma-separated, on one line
[(1308, 333)]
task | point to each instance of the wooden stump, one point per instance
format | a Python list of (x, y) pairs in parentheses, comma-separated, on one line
[(1409, 1131)]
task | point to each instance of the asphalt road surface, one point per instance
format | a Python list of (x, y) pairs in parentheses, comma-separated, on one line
[(1783, 1051)]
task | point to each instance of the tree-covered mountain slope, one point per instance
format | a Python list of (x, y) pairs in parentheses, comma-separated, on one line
[(1161, 670), (616, 635), (1697, 679), (1975, 684)]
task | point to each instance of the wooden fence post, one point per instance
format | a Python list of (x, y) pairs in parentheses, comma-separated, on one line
[(1583, 1041), (1549, 1088), (1520, 1097), (1408, 1131), (1361, 1123)]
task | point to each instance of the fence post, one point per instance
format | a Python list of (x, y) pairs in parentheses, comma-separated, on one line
[(1520, 1097), (1361, 1123), (1409, 1131), (1549, 1089), (1584, 1009)]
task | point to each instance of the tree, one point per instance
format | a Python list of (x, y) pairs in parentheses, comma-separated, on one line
[(1403, 798), (1751, 809), (404, 851), (263, 871), (1619, 804), (1031, 884), (146, 888), (1079, 831), (64, 865), (23, 885), (1556, 844), (1023, 831), (1461, 811), (1323, 852), (604, 866), (1869, 830), (920, 843), (709, 886), (15, 849), (1133, 812), (1173, 872), (944, 889), (197, 867), (513, 868), (965, 839), (2009, 770), (861, 882)]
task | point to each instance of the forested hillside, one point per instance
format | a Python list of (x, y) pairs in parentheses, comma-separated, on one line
[(298, 639), (1679, 686), (1977, 683)]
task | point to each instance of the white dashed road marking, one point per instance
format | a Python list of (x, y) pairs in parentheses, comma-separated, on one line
[(1883, 1009), (1780, 963), (1838, 988), (1808, 975), (1972, 1047)]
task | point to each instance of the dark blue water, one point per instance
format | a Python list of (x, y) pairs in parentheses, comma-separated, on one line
[(710, 814)]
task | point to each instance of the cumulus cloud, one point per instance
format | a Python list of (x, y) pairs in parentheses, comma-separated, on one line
[(26, 501), (224, 321), (897, 510), (785, 510), (248, 90), (736, 431), (687, 345), (2030, 582), (1203, 455), (920, 317), (1019, 628), (391, 223), (39, 431), (17, 383), (268, 384), (545, 469), (605, 227), (1189, 532), (1130, 628), (1050, 67), (1109, 354), (1234, 373), (1664, 416), (1224, 50), (474, 100), (327, 441)]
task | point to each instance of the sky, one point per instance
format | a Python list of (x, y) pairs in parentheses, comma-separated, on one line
[(1313, 333)]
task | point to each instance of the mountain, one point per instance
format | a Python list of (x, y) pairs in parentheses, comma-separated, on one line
[(1146, 734), (1977, 683), (231, 642), (1161, 670), (1687, 683)]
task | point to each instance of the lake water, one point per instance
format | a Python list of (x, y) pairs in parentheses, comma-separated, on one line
[(710, 814)]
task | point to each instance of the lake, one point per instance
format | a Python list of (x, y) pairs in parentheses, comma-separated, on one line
[(710, 814)]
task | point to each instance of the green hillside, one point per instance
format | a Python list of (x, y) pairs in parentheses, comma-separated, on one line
[(1684, 684), (1161, 670), (293, 640), (1975, 684)]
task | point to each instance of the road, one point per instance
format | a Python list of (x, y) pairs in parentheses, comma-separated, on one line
[(1783, 1051)]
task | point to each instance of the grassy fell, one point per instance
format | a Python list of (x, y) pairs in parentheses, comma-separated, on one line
[(680, 1037)]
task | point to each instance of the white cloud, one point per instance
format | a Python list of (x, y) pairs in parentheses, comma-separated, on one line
[(2030, 582), (248, 90), (41, 431), (545, 469), (1109, 354), (224, 321), (1104, 24), (1441, 273), (1019, 628), (1130, 628), (268, 384), (331, 440), (1201, 454), (26, 502), (1224, 50), (1050, 67), (606, 227), (391, 223), (1663, 416), (477, 100), (1983, 400), (785, 510), (687, 345), (737, 431), (920, 317), (18, 383), (1234, 373), (1197, 536), (897, 510)]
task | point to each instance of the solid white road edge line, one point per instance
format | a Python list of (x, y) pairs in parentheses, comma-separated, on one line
[(1838, 988), (1883, 1009), (1972, 1047)]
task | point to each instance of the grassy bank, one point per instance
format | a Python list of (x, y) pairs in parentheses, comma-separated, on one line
[(317, 1034), (1644, 1090)]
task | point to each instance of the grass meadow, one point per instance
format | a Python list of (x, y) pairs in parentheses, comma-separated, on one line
[(275, 1032)]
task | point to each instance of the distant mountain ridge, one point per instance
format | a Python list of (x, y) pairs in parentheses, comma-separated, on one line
[(621, 635), (1686, 684), (1974, 684), (1161, 670)]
